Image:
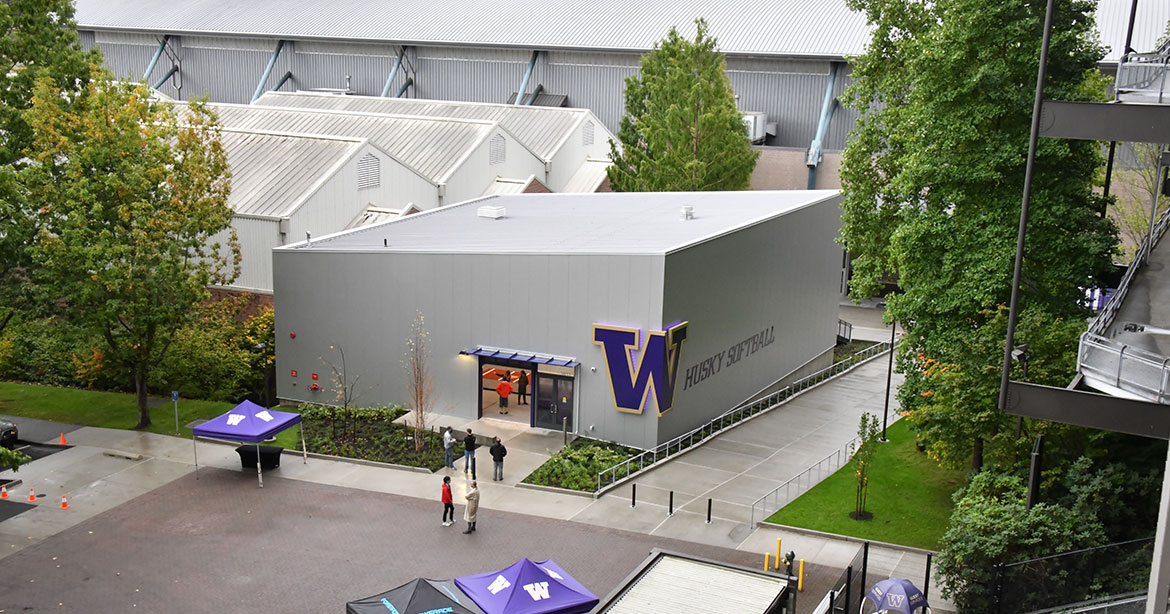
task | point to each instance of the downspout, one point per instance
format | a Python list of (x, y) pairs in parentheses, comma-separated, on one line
[(393, 72), (827, 107), (402, 90), (268, 70), (535, 92), (527, 76), (170, 73), (157, 54)]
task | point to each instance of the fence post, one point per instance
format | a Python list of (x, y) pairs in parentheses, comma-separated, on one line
[(633, 495), (671, 512), (998, 587), (926, 581), (848, 586), (708, 511), (864, 569)]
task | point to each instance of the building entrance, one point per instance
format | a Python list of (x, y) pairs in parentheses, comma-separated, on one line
[(539, 394), (554, 402)]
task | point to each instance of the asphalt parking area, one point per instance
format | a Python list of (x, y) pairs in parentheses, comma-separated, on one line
[(220, 544)]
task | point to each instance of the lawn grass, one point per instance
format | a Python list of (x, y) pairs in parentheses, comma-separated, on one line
[(115, 410), (909, 496)]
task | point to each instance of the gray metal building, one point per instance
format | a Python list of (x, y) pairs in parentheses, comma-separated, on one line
[(635, 321), (782, 55)]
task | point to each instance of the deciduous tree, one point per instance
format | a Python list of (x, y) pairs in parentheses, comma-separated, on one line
[(682, 130), (419, 384), (38, 40), (934, 171), (130, 193)]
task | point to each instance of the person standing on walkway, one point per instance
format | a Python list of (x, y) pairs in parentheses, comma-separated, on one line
[(472, 507), (522, 389), (449, 448), (448, 502), (469, 447), (504, 389), (498, 452)]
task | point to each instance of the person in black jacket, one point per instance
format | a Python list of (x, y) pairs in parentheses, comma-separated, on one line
[(498, 453), (469, 447)]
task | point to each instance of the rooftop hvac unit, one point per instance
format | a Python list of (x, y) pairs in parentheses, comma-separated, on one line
[(757, 126), (490, 211)]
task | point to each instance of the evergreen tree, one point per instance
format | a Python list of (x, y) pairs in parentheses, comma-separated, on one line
[(682, 130)]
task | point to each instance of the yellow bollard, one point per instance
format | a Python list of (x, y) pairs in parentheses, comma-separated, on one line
[(777, 554), (800, 578), (767, 566)]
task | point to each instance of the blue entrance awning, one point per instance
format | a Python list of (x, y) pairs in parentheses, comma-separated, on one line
[(530, 357)]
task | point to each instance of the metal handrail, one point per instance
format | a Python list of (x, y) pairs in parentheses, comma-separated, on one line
[(1105, 318), (1134, 370), (611, 476), (1141, 77), (843, 455)]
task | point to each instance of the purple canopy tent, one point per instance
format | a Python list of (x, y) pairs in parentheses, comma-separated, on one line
[(528, 587), (249, 423)]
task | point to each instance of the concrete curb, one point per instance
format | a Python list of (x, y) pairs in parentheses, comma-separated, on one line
[(833, 536), (358, 461), (554, 489)]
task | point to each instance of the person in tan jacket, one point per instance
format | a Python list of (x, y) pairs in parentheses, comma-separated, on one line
[(471, 509)]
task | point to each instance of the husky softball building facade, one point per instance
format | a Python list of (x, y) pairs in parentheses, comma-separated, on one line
[(633, 317)]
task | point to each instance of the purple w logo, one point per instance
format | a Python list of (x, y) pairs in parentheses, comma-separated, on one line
[(657, 369)]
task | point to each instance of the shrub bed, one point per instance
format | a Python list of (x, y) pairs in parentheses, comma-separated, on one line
[(369, 433), (576, 465)]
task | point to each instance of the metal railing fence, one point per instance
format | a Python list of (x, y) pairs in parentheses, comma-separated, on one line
[(1142, 77), (1105, 318), (610, 476), (801, 483)]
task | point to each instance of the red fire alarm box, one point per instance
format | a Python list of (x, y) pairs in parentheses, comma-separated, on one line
[(294, 372), (314, 376)]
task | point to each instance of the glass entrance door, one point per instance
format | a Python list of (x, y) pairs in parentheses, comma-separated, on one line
[(554, 402)]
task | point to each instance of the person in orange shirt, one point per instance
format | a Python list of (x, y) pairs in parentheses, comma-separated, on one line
[(504, 389)]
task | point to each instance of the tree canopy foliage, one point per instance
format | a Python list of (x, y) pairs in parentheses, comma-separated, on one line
[(934, 173), (132, 214), (38, 40), (682, 130)]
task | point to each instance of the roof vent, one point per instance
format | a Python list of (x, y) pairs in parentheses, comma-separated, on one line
[(490, 211), (688, 212)]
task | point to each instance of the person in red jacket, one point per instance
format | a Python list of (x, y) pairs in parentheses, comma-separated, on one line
[(448, 502), (504, 389)]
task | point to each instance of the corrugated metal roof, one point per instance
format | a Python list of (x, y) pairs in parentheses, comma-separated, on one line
[(801, 28), (508, 186), (272, 172), (433, 147), (675, 584), (603, 223), (542, 129), (588, 177)]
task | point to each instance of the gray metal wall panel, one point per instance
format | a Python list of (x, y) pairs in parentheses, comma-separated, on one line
[(598, 87), (87, 39), (228, 75), (465, 79), (782, 274), (366, 73), (128, 61), (527, 302)]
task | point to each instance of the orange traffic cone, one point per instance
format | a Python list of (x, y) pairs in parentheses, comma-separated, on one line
[(3, 491), (32, 496), (64, 503), (63, 442)]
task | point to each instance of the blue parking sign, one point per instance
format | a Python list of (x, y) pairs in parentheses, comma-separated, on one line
[(174, 395)]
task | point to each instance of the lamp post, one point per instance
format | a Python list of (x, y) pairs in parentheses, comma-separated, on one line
[(1021, 354), (889, 377)]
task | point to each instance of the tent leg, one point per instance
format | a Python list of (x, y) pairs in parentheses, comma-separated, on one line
[(304, 449), (195, 449), (259, 476)]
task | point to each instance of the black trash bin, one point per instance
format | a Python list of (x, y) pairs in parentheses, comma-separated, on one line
[(269, 456)]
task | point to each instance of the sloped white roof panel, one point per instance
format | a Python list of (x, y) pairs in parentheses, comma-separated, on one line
[(432, 147), (507, 186), (800, 28), (541, 129), (603, 223), (588, 177), (272, 172)]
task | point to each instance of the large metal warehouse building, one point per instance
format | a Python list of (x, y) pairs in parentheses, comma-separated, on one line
[(633, 315), (783, 56)]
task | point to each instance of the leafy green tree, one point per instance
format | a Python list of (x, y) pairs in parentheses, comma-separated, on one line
[(991, 526), (682, 130), (131, 196), (867, 438), (39, 40), (934, 172)]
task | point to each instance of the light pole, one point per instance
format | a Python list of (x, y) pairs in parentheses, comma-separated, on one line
[(1021, 354), (889, 377)]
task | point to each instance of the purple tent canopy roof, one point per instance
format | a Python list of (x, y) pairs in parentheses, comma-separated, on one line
[(528, 587), (247, 422)]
